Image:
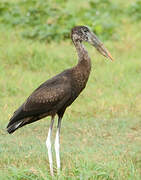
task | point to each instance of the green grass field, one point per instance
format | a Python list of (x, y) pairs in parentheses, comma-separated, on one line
[(101, 131)]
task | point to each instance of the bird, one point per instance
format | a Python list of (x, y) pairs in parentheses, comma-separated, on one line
[(53, 96)]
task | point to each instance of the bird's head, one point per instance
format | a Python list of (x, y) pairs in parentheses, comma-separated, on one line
[(83, 33)]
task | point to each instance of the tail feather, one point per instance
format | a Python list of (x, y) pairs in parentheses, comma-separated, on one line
[(14, 126), (20, 119)]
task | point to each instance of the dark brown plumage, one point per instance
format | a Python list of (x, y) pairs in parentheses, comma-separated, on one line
[(57, 93), (54, 95)]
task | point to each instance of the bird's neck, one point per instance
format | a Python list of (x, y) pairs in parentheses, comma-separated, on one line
[(84, 58), (82, 70)]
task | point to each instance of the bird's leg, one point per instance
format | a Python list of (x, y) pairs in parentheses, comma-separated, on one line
[(48, 144), (57, 145)]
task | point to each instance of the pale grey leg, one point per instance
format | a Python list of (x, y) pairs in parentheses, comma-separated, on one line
[(57, 145), (48, 144)]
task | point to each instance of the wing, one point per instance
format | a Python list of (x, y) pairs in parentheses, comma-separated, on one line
[(47, 98), (50, 96)]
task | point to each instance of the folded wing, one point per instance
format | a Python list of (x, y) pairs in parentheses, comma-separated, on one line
[(46, 99)]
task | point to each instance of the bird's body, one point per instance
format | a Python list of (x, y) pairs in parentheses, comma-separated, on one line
[(56, 94), (53, 96)]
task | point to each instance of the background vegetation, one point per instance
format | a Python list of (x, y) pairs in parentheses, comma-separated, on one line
[(100, 137)]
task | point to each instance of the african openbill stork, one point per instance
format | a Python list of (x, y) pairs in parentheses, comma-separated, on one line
[(56, 94)]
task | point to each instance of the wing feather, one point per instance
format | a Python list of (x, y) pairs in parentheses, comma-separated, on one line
[(46, 98), (51, 95)]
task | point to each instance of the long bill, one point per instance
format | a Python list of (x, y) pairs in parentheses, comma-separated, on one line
[(100, 46)]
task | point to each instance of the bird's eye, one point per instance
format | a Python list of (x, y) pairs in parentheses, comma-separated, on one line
[(85, 30)]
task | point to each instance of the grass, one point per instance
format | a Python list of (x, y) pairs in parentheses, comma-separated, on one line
[(100, 135)]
